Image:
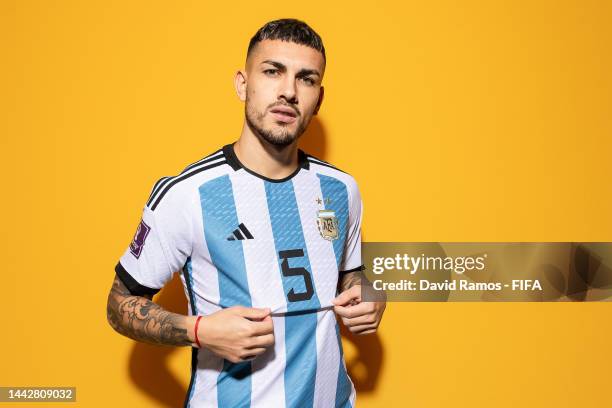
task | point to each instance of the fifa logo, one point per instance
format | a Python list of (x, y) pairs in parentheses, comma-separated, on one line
[(139, 239), (328, 224)]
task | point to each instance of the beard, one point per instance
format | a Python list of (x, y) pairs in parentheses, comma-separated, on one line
[(279, 136)]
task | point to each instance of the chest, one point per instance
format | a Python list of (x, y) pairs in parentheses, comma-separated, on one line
[(275, 242)]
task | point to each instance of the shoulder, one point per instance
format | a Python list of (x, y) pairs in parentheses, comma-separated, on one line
[(169, 191), (325, 169)]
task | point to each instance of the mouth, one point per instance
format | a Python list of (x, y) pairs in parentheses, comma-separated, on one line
[(284, 114)]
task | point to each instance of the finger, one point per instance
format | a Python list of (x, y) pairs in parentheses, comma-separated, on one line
[(262, 341), (353, 311), (360, 329), (352, 293), (262, 328), (371, 331), (369, 318), (250, 354), (254, 313)]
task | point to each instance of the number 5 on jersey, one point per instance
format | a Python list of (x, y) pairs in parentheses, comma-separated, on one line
[(292, 296)]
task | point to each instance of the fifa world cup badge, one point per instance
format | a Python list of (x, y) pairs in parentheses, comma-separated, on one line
[(328, 224)]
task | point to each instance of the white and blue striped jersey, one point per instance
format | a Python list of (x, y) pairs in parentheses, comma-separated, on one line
[(238, 238)]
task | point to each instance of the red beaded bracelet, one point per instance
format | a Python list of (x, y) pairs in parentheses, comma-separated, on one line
[(196, 331)]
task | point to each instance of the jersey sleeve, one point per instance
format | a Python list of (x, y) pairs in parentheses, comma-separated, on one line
[(160, 247), (352, 261)]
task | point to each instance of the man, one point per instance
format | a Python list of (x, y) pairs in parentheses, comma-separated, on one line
[(268, 243)]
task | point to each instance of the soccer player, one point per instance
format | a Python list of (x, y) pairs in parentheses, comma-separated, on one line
[(267, 241)]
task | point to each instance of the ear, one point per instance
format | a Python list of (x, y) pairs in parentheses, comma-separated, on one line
[(321, 93), (240, 83)]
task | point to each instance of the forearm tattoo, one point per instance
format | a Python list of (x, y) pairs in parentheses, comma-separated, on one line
[(141, 319), (350, 279), (368, 293)]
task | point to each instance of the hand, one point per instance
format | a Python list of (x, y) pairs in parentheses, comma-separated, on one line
[(359, 317), (237, 333)]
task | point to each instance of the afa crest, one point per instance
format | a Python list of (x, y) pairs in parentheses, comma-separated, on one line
[(328, 224)]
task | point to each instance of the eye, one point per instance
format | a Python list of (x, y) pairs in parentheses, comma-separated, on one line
[(308, 80), (270, 72)]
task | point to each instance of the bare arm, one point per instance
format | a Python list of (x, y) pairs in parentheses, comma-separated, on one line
[(139, 318), (359, 305), (237, 333), (350, 279)]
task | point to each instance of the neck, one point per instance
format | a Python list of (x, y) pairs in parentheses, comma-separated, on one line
[(263, 158)]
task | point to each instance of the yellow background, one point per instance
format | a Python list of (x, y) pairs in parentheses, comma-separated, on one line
[(461, 121)]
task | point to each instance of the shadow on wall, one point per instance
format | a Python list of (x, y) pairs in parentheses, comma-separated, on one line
[(314, 140), (148, 365)]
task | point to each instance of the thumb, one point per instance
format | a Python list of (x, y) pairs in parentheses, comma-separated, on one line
[(348, 295), (255, 313)]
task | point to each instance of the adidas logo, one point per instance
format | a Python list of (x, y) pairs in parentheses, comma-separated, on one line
[(240, 234)]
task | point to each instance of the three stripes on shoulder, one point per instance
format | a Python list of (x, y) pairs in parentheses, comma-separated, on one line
[(164, 184), (320, 162), (215, 159)]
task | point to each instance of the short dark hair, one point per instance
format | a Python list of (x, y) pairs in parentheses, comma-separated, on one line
[(291, 30)]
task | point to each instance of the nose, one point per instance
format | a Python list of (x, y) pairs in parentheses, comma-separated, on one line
[(288, 89)]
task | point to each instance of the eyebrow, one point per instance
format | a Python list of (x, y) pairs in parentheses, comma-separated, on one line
[(301, 72)]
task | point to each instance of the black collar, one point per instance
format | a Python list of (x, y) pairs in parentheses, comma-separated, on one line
[(232, 160)]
